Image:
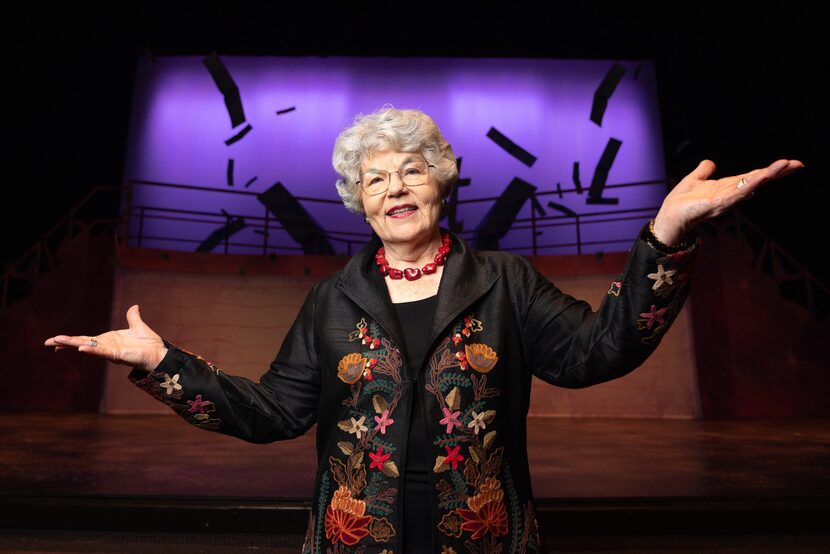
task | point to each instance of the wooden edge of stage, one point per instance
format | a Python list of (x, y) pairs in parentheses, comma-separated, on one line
[(563, 517)]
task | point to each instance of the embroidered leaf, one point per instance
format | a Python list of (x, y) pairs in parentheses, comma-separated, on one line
[(346, 447), (488, 416), (453, 399), (460, 484), (440, 464), (384, 492), (490, 468), (488, 439), (476, 454), (358, 480), (379, 385), (355, 459), (515, 509), (344, 425), (338, 469), (453, 379), (380, 404), (471, 473), (387, 446), (390, 469)]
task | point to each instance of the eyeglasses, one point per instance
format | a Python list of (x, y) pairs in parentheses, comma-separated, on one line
[(412, 174)]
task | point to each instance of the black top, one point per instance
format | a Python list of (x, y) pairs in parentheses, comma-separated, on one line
[(415, 320)]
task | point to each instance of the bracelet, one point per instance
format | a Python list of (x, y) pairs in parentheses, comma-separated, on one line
[(655, 242)]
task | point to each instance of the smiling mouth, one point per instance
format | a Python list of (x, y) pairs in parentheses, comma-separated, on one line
[(398, 210)]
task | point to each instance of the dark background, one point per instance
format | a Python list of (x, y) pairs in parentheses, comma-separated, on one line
[(742, 89)]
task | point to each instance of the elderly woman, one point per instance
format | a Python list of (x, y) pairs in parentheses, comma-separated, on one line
[(415, 360)]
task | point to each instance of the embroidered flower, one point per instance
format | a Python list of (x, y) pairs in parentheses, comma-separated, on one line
[(462, 360), (477, 422), (492, 518), (453, 457), (451, 524), (456, 338), (383, 421), (357, 426), (368, 366), (654, 315), (447, 549), (198, 404), (450, 419), (381, 530), (344, 526), (662, 276), (171, 384), (378, 458), (616, 286)]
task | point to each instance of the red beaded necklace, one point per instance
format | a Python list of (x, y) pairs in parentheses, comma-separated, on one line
[(412, 273)]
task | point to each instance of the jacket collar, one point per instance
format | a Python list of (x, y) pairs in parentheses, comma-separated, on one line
[(465, 279)]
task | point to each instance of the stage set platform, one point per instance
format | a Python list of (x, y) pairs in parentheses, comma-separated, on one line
[(133, 483)]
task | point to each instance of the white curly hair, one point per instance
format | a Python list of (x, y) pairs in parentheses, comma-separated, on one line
[(388, 128)]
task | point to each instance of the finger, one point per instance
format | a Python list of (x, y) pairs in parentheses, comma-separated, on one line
[(65, 340), (97, 351), (134, 317), (704, 170)]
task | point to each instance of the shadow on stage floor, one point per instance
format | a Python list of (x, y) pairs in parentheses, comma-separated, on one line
[(133, 483)]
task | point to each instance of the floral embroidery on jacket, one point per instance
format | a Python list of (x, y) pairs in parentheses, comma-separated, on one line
[(365, 491), (672, 277), (167, 389)]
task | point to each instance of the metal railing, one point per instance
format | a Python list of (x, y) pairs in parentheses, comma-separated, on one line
[(41, 256), (263, 223)]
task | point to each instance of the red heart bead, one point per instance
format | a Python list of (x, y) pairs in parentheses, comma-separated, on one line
[(395, 273), (430, 268), (411, 273), (439, 259)]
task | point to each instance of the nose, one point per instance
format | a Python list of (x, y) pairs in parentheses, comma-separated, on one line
[(396, 185)]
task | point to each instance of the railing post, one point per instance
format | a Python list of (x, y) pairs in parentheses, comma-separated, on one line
[(227, 223), (578, 236), (265, 233), (140, 225), (533, 226)]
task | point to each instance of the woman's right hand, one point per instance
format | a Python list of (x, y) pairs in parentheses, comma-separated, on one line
[(139, 346)]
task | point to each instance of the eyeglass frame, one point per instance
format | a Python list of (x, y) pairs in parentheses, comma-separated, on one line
[(398, 171)]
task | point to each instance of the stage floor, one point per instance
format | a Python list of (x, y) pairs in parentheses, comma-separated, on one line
[(131, 472), (59, 454)]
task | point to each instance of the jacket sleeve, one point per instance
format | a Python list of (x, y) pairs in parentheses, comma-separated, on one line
[(282, 405), (573, 346)]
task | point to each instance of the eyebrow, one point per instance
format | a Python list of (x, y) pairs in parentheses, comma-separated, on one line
[(406, 160)]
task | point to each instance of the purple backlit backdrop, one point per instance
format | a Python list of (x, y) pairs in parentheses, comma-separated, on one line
[(180, 124)]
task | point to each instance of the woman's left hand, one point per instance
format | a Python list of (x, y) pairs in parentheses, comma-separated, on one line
[(697, 197)]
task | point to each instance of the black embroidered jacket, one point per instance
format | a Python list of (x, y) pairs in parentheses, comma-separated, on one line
[(498, 322)]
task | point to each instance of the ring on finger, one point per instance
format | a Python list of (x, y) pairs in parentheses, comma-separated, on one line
[(93, 342), (742, 182)]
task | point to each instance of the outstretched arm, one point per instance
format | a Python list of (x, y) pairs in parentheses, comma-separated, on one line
[(573, 346), (282, 405)]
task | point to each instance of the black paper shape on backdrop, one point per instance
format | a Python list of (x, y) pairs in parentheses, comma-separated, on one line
[(250, 181), (286, 110), (604, 91), (230, 172), (502, 214), (453, 223), (575, 178), (559, 190), (217, 237), (238, 135), (637, 70), (563, 209), (511, 147), (295, 220), (226, 85), (601, 174)]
